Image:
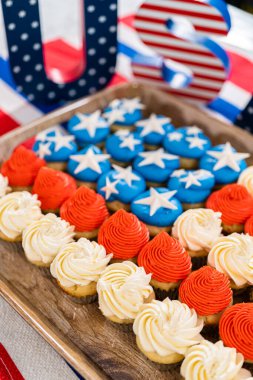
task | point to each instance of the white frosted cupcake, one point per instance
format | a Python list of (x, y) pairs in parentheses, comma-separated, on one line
[(213, 361), (77, 268), (246, 179), (122, 289), (4, 188), (197, 230), (165, 330), (233, 255), (17, 211), (43, 239)]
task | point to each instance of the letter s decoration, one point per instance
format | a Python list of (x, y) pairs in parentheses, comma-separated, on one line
[(182, 57), (22, 24)]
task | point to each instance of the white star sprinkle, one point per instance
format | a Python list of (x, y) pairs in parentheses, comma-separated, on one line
[(130, 142), (158, 200), (90, 123), (175, 136), (126, 174), (227, 158), (196, 142), (110, 188), (43, 136), (89, 160), (202, 173), (153, 124), (114, 103), (115, 114), (61, 141), (44, 150), (193, 130), (156, 157), (131, 105), (178, 173), (190, 180)]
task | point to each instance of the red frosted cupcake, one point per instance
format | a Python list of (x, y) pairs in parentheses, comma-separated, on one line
[(168, 262), (236, 205), (86, 210), (53, 188), (208, 292), (22, 168), (124, 235), (248, 228), (236, 329)]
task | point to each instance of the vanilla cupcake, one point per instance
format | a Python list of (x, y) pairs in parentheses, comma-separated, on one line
[(165, 330), (17, 211), (233, 256), (246, 179), (197, 230), (43, 239), (77, 268), (213, 361), (122, 289), (4, 188)]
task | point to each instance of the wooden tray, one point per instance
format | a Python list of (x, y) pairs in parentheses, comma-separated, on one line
[(94, 347)]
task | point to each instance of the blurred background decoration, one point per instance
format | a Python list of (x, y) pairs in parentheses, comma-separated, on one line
[(246, 5)]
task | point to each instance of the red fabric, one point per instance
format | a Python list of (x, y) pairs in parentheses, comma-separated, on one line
[(241, 71), (8, 370), (7, 123)]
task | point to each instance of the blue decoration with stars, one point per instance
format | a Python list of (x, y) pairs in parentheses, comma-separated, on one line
[(55, 155), (192, 186), (184, 145), (22, 25), (154, 138), (129, 118), (119, 149)]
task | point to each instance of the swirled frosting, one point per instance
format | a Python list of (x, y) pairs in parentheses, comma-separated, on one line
[(167, 327), (248, 227), (246, 179), (79, 263), (44, 238), (86, 210), (236, 328), (233, 255), (234, 202), (122, 290), (22, 167), (53, 188), (123, 234), (197, 229), (213, 361), (4, 188), (206, 290), (165, 258), (17, 211)]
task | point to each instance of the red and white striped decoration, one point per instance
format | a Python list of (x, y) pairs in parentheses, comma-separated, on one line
[(208, 70)]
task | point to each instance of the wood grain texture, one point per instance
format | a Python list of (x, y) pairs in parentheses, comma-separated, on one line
[(95, 347)]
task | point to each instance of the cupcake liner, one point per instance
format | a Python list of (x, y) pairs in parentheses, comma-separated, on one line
[(125, 327), (163, 367), (83, 300), (198, 262), (162, 294)]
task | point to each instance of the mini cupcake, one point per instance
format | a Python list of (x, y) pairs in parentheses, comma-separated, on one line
[(197, 230), (153, 130), (156, 166), (122, 289), (120, 186), (123, 235), (17, 211), (22, 168), (86, 210), (4, 188), (43, 239), (236, 329), (89, 128), (123, 147), (166, 330), (246, 179), (87, 165), (235, 204), (123, 113), (158, 208), (53, 188), (213, 361), (189, 143), (168, 262), (193, 187), (77, 268), (224, 162), (208, 292), (56, 149), (233, 256)]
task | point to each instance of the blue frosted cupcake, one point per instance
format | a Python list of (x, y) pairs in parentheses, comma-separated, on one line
[(158, 208), (56, 148), (193, 186), (153, 130), (156, 166), (225, 163), (87, 165), (189, 143), (124, 113), (89, 128), (123, 147), (120, 187)]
